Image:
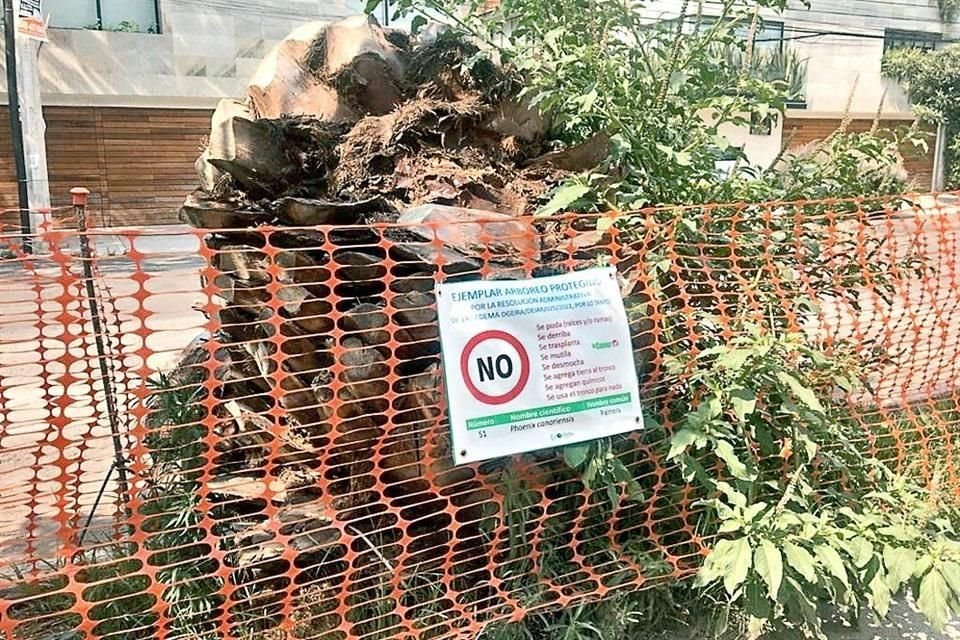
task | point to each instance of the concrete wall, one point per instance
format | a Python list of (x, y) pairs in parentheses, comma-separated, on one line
[(208, 49), (841, 65), (761, 150)]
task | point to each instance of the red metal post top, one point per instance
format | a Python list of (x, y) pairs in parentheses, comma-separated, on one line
[(80, 196)]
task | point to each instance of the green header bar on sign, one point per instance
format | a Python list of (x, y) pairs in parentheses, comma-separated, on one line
[(547, 412)]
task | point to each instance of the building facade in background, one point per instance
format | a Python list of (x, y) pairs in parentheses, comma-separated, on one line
[(129, 87), (840, 46)]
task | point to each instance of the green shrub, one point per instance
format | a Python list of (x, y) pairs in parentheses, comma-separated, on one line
[(932, 82)]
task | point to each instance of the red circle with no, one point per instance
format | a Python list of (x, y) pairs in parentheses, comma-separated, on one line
[(517, 389)]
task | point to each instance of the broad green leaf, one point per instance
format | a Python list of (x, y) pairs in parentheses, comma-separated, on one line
[(576, 454), (716, 564), (934, 599), (802, 393), (590, 472), (797, 596), (769, 564), (737, 468), (844, 383), (689, 225), (680, 441), (923, 565), (734, 359), (741, 557), (861, 550), (832, 562), (730, 526), (692, 468), (715, 406), (553, 36), (880, 595), (562, 198), (800, 560), (588, 100), (635, 491), (605, 223), (418, 22), (620, 471), (677, 80), (951, 573), (755, 628), (707, 410), (733, 496), (899, 532), (756, 604), (371, 6), (744, 403), (750, 513), (900, 563), (665, 150)]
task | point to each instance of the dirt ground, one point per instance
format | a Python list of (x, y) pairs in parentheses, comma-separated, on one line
[(903, 623)]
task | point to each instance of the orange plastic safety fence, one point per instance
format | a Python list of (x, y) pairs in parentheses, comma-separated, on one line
[(240, 433)]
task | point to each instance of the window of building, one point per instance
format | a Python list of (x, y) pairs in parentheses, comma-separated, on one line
[(141, 16), (762, 125), (896, 39), (769, 35)]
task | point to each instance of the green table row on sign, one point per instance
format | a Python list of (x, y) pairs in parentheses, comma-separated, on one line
[(578, 406)]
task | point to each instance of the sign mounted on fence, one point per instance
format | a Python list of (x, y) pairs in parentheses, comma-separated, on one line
[(532, 364)]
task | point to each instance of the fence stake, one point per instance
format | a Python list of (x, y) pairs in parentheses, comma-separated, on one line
[(80, 195)]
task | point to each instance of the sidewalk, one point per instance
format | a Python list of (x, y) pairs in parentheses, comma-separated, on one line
[(47, 354)]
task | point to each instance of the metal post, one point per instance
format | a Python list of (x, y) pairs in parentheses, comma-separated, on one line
[(16, 128), (939, 159), (80, 196)]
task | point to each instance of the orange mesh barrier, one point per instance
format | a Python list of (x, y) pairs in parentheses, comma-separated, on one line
[(240, 433)]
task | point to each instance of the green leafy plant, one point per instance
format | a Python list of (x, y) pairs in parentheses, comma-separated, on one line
[(170, 504), (118, 587), (756, 428), (658, 93), (782, 67), (625, 616), (785, 557), (932, 82), (844, 165), (601, 469), (788, 539), (125, 26)]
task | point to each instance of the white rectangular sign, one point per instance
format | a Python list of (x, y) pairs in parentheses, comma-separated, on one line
[(31, 22), (532, 364)]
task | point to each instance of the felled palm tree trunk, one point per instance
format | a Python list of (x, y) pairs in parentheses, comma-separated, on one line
[(330, 460)]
